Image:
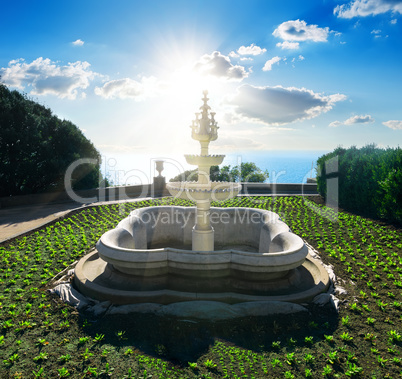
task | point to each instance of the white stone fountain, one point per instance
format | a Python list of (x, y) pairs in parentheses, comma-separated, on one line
[(171, 255), (204, 130)]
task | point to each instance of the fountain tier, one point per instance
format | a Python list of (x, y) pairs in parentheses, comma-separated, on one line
[(194, 191)]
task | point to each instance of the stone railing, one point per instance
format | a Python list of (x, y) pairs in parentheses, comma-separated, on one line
[(148, 190)]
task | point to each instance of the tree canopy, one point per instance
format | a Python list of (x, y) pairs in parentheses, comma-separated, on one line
[(36, 148), (245, 172)]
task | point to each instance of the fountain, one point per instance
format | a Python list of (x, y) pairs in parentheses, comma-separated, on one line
[(173, 254)]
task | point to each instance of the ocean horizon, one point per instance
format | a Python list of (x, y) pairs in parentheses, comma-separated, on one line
[(282, 166)]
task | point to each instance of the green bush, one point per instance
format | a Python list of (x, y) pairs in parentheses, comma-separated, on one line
[(369, 180)]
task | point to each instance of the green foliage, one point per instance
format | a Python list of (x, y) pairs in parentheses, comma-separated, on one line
[(246, 172), (36, 148), (369, 179), (188, 176)]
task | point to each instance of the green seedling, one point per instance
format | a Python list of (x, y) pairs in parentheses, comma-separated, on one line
[(64, 358), (209, 364)]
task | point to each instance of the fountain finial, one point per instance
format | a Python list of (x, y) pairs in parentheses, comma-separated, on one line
[(204, 127)]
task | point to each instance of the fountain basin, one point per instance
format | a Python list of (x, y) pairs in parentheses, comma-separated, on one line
[(99, 280), (195, 191)]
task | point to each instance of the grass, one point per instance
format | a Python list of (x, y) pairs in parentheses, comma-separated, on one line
[(42, 337)]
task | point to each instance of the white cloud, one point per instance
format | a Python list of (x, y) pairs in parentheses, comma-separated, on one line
[(268, 64), (232, 54), (288, 45), (127, 89), (376, 31), (394, 21), (299, 58), (298, 30), (366, 119), (393, 124), (46, 77), (251, 50), (78, 42), (335, 124), (279, 105), (363, 8), (220, 66)]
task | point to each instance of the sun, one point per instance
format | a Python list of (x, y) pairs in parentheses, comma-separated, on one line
[(187, 82)]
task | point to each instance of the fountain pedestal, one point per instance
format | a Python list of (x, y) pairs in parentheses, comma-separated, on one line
[(203, 233), (159, 182)]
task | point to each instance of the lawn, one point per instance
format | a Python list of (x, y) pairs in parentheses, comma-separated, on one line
[(42, 337)]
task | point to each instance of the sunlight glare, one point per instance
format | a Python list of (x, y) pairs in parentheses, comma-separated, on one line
[(184, 92)]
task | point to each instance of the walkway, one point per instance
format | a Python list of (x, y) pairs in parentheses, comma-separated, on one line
[(20, 220)]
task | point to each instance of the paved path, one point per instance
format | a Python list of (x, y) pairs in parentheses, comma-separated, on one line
[(18, 220)]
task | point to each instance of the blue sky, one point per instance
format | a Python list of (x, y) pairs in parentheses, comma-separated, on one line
[(281, 75)]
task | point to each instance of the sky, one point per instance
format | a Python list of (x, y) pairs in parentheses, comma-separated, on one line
[(281, 75)]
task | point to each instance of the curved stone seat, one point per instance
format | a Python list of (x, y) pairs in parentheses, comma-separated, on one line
[(157, 241)]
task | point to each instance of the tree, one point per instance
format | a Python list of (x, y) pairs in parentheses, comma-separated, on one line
[(36, 148), (246, 172)]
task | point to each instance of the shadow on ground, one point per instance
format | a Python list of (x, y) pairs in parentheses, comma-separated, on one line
[(185, 340)]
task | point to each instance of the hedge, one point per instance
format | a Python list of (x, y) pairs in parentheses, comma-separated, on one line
[(369, 180)]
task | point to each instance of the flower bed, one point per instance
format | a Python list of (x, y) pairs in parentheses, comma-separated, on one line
[(40, 336)]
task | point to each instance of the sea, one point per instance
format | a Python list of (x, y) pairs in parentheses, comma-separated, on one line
[(282, 166)]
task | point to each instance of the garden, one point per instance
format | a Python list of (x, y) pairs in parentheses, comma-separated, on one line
[(40, 336)]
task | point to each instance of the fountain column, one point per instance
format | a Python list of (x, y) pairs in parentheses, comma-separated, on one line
[(204, 130)]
